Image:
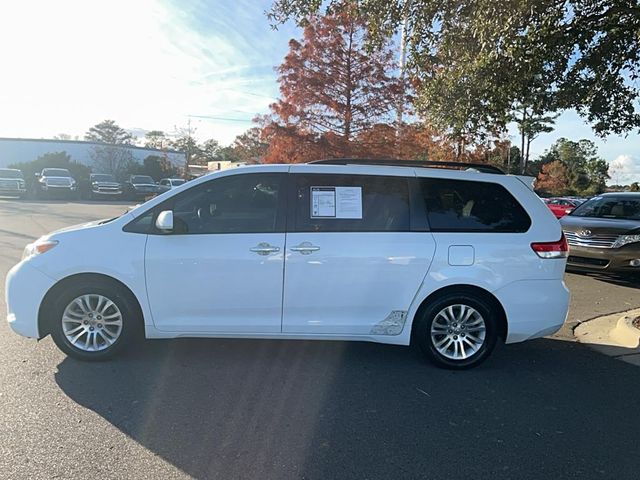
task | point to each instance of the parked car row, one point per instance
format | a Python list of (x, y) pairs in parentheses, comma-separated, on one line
[(59, 183), (563, 205)]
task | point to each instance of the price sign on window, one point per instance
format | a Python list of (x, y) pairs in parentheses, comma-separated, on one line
[(336, 202)]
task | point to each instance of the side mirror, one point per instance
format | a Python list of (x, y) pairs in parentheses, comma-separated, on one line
[(164, 222), (37, 175)]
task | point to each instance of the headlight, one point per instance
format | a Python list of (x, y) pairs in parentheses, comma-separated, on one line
[(626, 239), (38, 247)]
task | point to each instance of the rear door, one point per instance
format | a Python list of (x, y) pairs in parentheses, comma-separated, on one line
[(355, 255)]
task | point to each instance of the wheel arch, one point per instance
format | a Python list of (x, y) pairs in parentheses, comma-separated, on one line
[(503, 328), (44, 320)]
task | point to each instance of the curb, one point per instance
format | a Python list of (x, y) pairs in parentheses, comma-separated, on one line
[(625, 334), (613, 335)]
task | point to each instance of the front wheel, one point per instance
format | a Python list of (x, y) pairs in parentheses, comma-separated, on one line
[(458, 331), (94, 321)]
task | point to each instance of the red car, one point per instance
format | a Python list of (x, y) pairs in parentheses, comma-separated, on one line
[(561, 206)]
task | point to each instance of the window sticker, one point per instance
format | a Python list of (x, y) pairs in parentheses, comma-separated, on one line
[(336, 202), (323, 202), (349, 202)]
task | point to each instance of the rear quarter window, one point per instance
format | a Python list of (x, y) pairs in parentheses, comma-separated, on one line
[(469, 206)]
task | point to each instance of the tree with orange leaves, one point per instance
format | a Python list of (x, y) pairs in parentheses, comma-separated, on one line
[(333, 91), (553, 178)]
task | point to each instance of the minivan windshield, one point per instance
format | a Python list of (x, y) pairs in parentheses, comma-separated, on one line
[(8, 173), (102, 177), (56, 172), (620, 207)]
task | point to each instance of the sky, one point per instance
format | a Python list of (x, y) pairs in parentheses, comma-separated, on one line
[(160, 64)]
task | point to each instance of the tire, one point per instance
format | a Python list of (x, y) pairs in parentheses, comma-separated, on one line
[(450, 341), (93, 322)]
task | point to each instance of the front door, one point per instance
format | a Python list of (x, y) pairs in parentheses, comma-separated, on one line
[(221, 269), (353, 264)]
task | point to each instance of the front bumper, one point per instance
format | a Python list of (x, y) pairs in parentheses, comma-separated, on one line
[(106, 192), (613, 260), (58, 188), (25, 289), (13, 191)]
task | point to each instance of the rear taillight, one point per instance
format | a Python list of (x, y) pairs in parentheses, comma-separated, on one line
[(559, 249)]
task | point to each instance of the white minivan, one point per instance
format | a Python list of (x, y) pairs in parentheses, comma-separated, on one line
[(392, 252)]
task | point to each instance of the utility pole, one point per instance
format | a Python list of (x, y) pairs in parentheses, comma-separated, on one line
[(403, 63), (189, 142)]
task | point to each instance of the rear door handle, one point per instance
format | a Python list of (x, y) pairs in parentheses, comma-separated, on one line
[(264, 249), (305, 248)]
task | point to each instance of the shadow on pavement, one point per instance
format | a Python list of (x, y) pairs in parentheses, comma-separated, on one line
[(293, 409), (629, 280)]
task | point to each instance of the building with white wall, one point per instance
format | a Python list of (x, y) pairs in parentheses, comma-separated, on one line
[(218, 165), (17, 150)]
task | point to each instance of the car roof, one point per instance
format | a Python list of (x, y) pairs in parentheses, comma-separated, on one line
[(619, 194), (368, 169)]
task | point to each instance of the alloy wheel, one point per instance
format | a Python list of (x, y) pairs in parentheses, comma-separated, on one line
[(458, 331), (92, 322)]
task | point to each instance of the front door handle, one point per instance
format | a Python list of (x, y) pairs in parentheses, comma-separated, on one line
[(305, 248), (264, 249)]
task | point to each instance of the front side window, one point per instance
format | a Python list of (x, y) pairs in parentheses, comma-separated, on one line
[(466, 206), (247, 203), (351, 203)]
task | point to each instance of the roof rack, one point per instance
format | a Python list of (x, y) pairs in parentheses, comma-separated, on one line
[(481, 167)]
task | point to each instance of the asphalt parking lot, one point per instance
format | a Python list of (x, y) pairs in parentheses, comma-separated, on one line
[(230, 409)]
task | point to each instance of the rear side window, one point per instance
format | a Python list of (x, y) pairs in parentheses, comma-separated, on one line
[(465, 206), (351, 203)]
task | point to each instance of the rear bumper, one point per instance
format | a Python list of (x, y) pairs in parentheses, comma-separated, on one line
[(24, 290), (534, 308), (607, 260)]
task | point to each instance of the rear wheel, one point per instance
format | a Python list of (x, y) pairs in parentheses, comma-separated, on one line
[(458, 330), (94, 321)]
